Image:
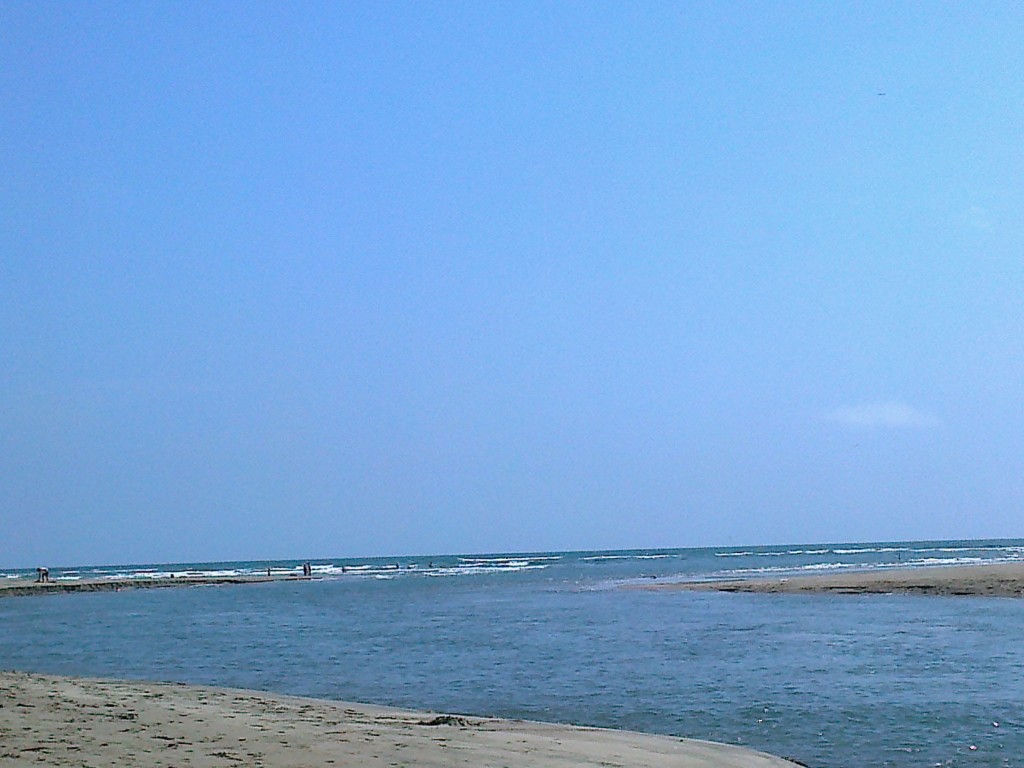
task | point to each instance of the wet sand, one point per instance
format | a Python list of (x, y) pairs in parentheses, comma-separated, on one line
[(999, 580), (22, 587), (61, 721)]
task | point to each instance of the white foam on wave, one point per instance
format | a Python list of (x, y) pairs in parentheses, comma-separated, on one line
[(926, 561), (486, 561), (152, 573), (862, 551), (365, 569), (809, 552), (506, 558), (482, 569), (825, 566), (922, 562), (213, 574), (779, 569), (327, 570)]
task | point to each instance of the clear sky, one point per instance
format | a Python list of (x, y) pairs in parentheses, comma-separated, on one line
[(347, 279)]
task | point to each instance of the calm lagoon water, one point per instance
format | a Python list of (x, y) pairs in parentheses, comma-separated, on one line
[(834, 681)]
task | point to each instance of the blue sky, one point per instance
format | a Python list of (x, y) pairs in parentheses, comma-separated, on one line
[(329, 279)]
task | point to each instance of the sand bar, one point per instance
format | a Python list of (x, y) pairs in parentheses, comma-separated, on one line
[(998, 580), (62, 721), (22, 587)]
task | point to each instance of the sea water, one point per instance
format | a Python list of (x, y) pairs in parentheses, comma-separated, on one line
[(833, 681)]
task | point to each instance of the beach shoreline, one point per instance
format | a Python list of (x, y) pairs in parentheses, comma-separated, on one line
[(67, 721), (23, 587), (989, 580), (984, 580)]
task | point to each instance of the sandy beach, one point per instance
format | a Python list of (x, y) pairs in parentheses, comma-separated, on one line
[(62, 721), (999, 580), (23, 587)]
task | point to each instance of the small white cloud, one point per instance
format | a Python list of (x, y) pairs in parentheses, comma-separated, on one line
[(890, 414)]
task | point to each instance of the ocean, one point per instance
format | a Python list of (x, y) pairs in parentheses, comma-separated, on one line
[(832, 681)]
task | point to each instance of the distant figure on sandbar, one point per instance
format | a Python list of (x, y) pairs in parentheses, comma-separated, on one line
[(42, 575), (307, 569)]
